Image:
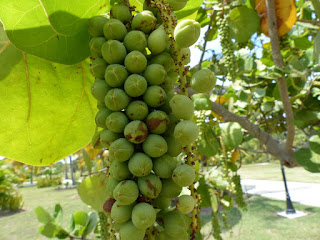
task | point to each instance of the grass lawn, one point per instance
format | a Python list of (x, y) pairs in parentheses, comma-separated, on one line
[(24, 225), (272, 171), (260, 222)]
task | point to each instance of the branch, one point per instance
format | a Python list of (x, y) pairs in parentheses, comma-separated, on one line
[(273, 147), (206, 38), (278, 62), (316, 23)]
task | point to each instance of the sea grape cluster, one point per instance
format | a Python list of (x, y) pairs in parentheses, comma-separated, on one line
[(144, 124)]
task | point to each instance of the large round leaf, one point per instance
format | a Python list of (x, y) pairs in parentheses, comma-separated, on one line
[(93, 191), (53, 29), (208, 145), (315, 144), (47, 111)]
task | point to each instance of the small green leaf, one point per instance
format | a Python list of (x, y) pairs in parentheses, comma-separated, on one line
[(243, 23), (208, 145), (80, 218), (87, 160), (314, 142), (231, 135), (214, 201), (227, 202), (138, 4), (42, 215), (93, 191), (259, 93), (58, 214), (92, 223), (49, 230), (203, 190)]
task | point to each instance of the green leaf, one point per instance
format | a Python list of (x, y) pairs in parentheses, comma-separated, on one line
[(214, 201), (231, 135), (58, 214), (49, 230), (208, 145), (203, 190), (52, 29), (87, 160), (259, 93), (316, 48), (316, 5), (93, 191), (42, 215), (314, 142), (48, 108), (92, 223), (243, 23), (190, 10), (227, 202), (138, 4), (306, 115), (80, 218), (308, 159)]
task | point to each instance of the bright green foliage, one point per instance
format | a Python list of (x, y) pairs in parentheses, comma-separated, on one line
[(143, 216)]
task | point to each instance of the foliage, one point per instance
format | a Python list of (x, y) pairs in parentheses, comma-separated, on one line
[(46, 181), (80, 225), (10, 198)]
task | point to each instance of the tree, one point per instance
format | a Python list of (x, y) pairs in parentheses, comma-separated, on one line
[(267, 89)]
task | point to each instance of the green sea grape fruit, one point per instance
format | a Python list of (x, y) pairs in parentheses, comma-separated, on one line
[(136, 131), (101, 117), (163, 59), (144, 21), (111, 184), (182, 107), (95, 45), (121, 213), (96, 140), (185, 204), (101, 105), (126, 192), (201, 101), (95, 25), (157, 122), (137, 110), (155, 146), (203, 81), (172, 125), (116, 99), (98, 67), (184, 175), (169, 81), (174, 147), (121, 150), (129, 232), (117, 121), (155, 74), (114, 30), (135, 41), (115, 75), (121, 12), (140, 164), (163, 166), (157, 40), (175, 224), (177, 4), (99, 89), (155, 96), (107, 137), (187, 33), (165, 107), (186, 132), (135, 62), (143, 215), (113, 52), (161, 203), (150, 186), (170, 189), (135, 85), (119, 170)]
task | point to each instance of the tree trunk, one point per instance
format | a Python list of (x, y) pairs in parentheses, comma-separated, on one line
[(71, 170), (31, 175), (66, 169)]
